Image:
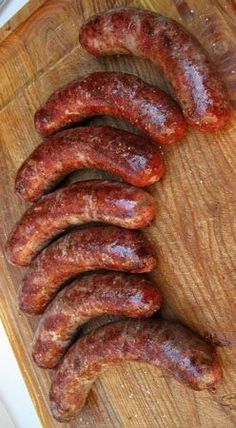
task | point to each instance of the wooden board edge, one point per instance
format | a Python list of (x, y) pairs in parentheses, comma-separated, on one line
[(21, 16), (18, 350)]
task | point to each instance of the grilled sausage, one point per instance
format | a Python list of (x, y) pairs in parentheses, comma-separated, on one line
[(171, 347), (109, 293), (106, 247), (175, 51), (117, 94), (81, 202), (131, 157)]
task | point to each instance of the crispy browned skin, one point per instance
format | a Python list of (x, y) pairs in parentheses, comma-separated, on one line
[(177, 54), (105, 247), (88, 297), (131, 157), (82, 202), (117, 94), (168, 346)]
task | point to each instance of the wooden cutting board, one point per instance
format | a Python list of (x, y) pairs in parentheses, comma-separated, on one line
[(19, 18), (193, 234)]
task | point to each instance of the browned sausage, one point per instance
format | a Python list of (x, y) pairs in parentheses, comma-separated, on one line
[(168, 346), (175, 51), (81, 202), (129, 156), (93, 295), (117, 94), (105, 247)]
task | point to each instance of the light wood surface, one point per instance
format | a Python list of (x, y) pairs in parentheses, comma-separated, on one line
[(194, 233), (19, 18)]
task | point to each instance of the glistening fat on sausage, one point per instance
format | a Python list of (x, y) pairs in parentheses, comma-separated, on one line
[(168, 346), (133, 158), (178, 55), (105, 247), (82, 202), (117, 94), (92, 295)]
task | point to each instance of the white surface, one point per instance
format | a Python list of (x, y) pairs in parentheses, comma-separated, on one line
[(8, 9), (5, 419), (13, 392)]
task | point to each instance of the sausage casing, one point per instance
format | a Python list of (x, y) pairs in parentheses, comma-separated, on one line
[(82, 202), (168, 346), (175, 51), (117, 94), (105, 247), (131, 157), (93, 295)]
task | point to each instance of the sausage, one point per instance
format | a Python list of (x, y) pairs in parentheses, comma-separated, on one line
[(117, 94), (176, 52), (168, 346), (105, 247), (98, 294), (131, 157), (81, 202)]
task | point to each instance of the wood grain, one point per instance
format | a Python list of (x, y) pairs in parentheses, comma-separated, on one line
[(19, 18), (194, 233)]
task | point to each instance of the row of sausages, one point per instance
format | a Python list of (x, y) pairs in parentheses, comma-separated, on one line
[(114, 247)]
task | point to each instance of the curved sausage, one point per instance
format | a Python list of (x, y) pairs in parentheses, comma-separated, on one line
[(175, 51), (105, 247), (117, 94), (81, 202), (168, 346), (98, 294), (131, 157)]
